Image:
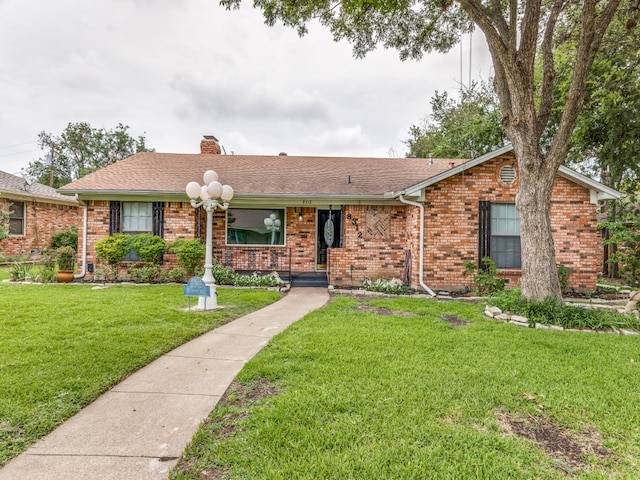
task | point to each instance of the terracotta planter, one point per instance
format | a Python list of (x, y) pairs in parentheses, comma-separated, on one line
[(65, 276)]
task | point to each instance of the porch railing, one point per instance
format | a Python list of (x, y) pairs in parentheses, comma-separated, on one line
[(253, 259)]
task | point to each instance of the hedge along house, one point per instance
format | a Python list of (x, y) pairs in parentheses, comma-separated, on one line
[(36, 214), (348, 219)]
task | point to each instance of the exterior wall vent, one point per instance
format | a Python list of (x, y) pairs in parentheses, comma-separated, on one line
[(508, 174)]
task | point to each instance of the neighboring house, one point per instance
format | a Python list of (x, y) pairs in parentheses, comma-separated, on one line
[(37, 213), (414, 219)]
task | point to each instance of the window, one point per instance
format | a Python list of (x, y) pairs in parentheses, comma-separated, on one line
[(248, 227), (505, 235), (499, 234), (133, 218), (137, 217), (16, 218)]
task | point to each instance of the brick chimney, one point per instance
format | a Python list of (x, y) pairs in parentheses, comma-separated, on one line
[(209, 144)]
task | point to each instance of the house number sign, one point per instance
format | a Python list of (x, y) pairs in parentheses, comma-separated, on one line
[(354, 222)]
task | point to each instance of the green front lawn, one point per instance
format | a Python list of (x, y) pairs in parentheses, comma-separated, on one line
[(63, 345), (393, 389)]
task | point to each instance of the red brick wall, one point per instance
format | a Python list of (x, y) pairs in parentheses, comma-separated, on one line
[(373, 248), (42, 221), (451, 226)]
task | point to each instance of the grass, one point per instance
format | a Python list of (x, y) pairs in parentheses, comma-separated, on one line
[(63, 345), (392, 390)]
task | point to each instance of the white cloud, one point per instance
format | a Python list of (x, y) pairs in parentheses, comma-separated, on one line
[(174, 71)]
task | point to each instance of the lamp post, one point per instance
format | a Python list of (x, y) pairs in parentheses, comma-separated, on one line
[(272, 224), (212, 195)]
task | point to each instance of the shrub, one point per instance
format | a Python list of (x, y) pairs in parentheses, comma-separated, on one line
[(113, 249), (68, 238), (150, 248), (190, 254), (564, 273), (20, 272), (47, 264), (553, 311), (65, 257), (393, 286), (257, 280), (223, 275), (144, 273), (176, 274), (485, 279)]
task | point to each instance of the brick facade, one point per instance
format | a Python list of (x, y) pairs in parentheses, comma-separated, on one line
[(382, 241), (43, 220)]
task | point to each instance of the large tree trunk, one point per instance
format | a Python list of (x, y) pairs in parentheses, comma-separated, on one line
[(539, 270)]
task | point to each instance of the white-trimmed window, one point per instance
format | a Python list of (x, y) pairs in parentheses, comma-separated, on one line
[(137, 217), (16, 218), (247, 226), (505, 235)]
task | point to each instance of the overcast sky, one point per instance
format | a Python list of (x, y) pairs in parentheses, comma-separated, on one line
[(174, 70)]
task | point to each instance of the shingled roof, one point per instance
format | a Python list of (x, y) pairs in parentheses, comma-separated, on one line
[(12, 185), (258, 175)]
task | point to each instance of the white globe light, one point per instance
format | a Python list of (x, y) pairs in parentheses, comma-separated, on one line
[(268, 222), (227, 193), (209, 176), (215, 189), (204, 195), (272, 216), (277, 223), (193, 190)]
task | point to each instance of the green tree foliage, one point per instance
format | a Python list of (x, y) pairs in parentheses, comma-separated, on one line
[(517, 32), (460, 128), (624, 234), (607, 131), (81, 149), (4, 222)]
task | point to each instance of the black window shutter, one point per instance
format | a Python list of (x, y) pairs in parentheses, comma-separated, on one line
[(114, 217), (484, 232), (158, 219)]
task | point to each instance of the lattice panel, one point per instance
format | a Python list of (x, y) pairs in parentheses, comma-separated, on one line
[(377, 223)]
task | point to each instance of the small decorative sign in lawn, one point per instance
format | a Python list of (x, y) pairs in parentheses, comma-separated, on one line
[(196, 287)]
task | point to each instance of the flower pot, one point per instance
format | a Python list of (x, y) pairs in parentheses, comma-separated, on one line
[(65, 276)]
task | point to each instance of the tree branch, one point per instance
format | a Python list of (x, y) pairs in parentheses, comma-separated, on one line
[(548, 72)]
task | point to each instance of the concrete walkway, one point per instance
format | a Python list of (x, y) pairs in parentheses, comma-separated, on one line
[(139, 429)]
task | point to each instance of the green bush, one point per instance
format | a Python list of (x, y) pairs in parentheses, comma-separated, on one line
[(65, 257), (257, 280), (150, 248), (176, 275), (144, 273), (68, 238), (394, 286), (190, 254), (113, 250), (223, 275), (564, 273), (20, 272), (485, 279), (552, 311)]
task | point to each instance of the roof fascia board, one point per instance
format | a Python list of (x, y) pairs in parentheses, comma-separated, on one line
[(29, 196), (603, 192), (415, 190), (292, 200)]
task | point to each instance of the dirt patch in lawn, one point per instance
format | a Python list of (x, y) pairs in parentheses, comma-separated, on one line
[(455, 320), (239, 397), (566, 447)]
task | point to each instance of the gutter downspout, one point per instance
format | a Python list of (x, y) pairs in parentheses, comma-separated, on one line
[(421, 271), (85, 219)]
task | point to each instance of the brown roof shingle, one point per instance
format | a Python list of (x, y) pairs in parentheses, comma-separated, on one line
[(14, 185), (261, 175)]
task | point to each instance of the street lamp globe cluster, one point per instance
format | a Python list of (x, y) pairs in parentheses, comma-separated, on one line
[(212, 195)]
